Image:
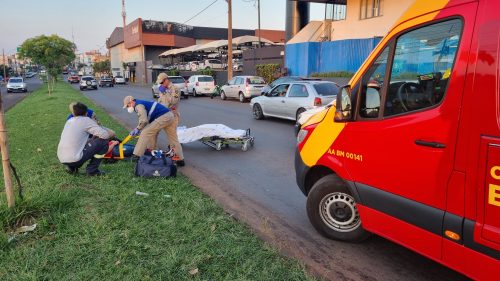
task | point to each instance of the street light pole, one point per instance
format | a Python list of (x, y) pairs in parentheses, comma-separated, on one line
[(258, 12), (229, 41)]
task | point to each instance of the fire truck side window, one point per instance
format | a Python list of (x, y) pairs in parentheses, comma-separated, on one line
[(421, 68), (372, 83)]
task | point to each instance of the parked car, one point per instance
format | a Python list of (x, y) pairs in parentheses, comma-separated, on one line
[(286, 79), (120, 80), (73, 79), (106, 81), (212, 64), (177, 81), (88, 82), (192, 66), (16, 84), (200, 85), (243, 88), (289, 100), (238, 65)]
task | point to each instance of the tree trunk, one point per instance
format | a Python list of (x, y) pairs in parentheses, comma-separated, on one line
[(48, 83), (9, 191)]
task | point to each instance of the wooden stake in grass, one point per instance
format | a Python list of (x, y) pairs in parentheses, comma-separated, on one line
[(5, 158)]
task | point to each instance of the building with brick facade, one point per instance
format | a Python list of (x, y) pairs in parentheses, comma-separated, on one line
[(135, 48)]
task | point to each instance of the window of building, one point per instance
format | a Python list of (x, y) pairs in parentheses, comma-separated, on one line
[(370, 8)]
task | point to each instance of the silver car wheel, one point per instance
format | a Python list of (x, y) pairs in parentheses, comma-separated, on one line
[(338, 211)]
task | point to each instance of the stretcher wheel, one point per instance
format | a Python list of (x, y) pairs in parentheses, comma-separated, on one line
[(244, 147)]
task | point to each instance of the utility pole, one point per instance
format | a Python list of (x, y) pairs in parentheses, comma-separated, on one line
[(4, 72), (9, 191), (258, 13), (124, 14), (229, 41)]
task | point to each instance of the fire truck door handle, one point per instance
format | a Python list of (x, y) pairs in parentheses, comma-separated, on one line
[(430, 144)]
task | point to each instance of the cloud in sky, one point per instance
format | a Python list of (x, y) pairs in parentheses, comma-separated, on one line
[(90, 22)]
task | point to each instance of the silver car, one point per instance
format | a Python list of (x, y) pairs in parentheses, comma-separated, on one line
[(289, 100), (243, 87), (177, 81), (16, 84)]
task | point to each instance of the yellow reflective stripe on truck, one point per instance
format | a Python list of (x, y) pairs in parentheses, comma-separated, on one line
[(321, 138)]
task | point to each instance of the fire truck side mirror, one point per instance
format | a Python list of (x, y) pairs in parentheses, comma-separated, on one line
[(343, 110)]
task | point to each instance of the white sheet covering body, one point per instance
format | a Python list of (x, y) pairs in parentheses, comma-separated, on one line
[(187, 135)]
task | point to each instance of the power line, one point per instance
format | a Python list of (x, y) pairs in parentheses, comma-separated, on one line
[(200, 12)]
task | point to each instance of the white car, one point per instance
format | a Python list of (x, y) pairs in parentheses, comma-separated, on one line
[(201, 85), (88, 82), (212, 64), (192, 66), (243, 88), (119, 80), (16, 84), (290, 100), (177, 81)]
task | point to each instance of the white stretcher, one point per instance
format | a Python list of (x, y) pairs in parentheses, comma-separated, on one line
[(216, 136)]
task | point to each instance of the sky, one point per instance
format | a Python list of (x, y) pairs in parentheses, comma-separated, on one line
[(90, 22)]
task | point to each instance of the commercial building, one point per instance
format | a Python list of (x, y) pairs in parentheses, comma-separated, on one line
[(135, 49), (342, 41)]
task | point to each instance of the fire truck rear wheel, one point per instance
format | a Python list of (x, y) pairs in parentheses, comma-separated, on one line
[(332, 211)]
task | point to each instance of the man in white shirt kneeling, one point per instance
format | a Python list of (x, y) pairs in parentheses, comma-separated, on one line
[(76, 147)]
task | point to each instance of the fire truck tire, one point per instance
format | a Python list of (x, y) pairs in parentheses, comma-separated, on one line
[(332, 210)]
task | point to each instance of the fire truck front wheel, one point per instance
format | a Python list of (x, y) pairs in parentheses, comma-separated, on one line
[(332, 210)]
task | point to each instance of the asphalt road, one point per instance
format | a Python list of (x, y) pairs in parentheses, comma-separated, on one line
[(10, 99), (258, 187)]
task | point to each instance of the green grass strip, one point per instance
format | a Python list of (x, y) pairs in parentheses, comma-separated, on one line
[(98, 229)]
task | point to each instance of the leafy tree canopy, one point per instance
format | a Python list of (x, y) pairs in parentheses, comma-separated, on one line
[(52, 51)]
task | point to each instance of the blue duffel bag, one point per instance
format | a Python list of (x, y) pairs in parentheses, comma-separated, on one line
[(150, 166)]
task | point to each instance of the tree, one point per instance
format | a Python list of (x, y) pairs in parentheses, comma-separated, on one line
[(52, 51), (102, 67)]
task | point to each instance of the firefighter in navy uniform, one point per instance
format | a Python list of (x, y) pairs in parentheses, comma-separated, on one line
[(153, 117)]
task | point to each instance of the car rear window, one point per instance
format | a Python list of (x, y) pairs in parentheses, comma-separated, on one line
[(87, 78), (16, 80), (118, 76), (205, 79), (256, 80), (326, 89), (176, 80)]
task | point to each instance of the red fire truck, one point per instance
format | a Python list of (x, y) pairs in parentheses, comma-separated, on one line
[(411, 149)]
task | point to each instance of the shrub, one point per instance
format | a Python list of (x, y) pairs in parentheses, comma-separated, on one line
[(173, 72), (267, 71), (209, 72)]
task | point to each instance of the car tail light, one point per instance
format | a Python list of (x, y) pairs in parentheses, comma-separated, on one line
[(317, 102), (247, 87), (186, 84), (197, 84)]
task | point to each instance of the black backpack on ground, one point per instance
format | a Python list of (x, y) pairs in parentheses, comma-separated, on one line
[(151, 166)]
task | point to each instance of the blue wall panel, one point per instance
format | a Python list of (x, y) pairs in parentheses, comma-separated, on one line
[(303, 59)]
